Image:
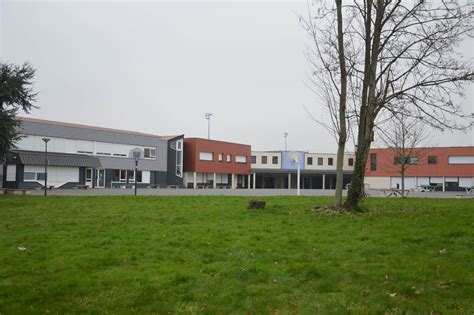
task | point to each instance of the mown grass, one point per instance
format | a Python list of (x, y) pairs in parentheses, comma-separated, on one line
[(212, 255)]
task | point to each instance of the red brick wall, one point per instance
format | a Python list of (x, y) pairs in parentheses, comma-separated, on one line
[(192, 147), (386, 167)]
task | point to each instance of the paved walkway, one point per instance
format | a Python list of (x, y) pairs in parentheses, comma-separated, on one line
[(232, 192)]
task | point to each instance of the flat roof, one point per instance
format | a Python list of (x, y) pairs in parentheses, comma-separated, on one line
[(212, 140), (67, 124)]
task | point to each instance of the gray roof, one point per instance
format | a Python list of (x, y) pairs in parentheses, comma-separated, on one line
[(58, 159)]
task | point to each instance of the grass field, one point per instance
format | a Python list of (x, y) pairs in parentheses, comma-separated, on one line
[(212, 255)]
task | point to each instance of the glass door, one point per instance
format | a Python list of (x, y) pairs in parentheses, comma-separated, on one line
[(100, 178), (89, 177)]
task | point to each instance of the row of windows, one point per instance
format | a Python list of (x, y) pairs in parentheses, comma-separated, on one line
[(309, 160), (209, 156), (148, 153), (264, 159), (432, 159)]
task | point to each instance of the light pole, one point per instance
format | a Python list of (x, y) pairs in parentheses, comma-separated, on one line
[(285, 135), (208, 117), (46, 140)]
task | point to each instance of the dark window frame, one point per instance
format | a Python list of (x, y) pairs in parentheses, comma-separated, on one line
[(432, 159), (373, 162), (350, 162)]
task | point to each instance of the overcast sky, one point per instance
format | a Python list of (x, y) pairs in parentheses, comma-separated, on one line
[(158, 67)]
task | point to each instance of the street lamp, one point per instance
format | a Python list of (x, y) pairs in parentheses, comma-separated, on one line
[(46, 140), (285, 135), (208, 117)]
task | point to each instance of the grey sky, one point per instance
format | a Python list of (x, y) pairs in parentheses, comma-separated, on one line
[(159, 66)]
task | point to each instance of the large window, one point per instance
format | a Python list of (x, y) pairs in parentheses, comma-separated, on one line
[(413, 160), (373, 161), (320, 161), (206, 156), (123, 176), (29, 176), (264, 159), (466, 159), (241, 159), (309, 160), (149, 153), (274, 159)]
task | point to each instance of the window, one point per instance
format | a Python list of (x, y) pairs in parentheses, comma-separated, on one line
[(373, 161), (351, 162), (229, 158), (241, 159), (123, 175), (29, 176), (139, 176), (309, 161), (320, 161), (220, 157), (399, 160), (264, 159), (413, 160), (274, 159), (130, 176), (466, 159), (330, 161), (432, 159), (253, 159), (149, 153), (206, 156), (40, 176), (88, 174)]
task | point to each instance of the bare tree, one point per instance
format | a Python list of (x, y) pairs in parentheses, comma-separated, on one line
[(403, 55), (330, 82), (404, 136)]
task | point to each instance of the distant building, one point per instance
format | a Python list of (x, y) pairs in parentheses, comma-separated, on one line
[(216, 164), (92, 156), (273, 169), (448, 168)]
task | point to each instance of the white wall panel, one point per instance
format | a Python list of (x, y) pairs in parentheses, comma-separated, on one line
[(409, 182), (465, 182), (436, 180), (423, 181), (451, 179), (146, 177), (11, 173)]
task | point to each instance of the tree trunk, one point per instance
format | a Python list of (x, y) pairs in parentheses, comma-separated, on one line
[(402, 173), (342, 109), (339, 175)]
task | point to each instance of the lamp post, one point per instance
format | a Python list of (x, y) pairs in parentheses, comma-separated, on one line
[(285, 135), (46, 140), (208, 117)]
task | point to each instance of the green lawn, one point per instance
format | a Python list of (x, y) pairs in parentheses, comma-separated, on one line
[(212, 255)]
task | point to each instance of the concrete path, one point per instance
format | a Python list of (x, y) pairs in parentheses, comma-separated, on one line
[(232, 192)]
